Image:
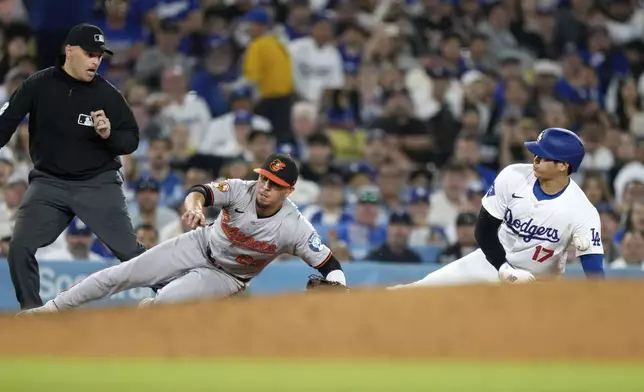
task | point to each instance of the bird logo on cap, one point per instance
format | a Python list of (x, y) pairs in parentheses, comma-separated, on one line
[(540, 136), (277, 165)]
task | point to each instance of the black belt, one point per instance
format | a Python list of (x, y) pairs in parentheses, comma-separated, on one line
[(216, 264)]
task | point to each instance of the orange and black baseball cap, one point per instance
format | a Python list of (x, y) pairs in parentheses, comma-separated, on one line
[(281, 169)]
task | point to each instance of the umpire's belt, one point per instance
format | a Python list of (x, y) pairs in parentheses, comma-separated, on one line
[(216, 264)]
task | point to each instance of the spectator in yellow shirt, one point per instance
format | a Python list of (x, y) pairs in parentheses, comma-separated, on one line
[(267, 64)]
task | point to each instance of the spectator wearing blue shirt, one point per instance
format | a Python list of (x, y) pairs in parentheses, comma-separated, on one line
[(186, 13), (451, 53), (475, 57), (215, 72), (351, 45), (607, 60), (329, 211), (578, 84), (51, 21), (510, 68), (170, 187), (609, 226), (298, 21), (125, 36), (364, 233)]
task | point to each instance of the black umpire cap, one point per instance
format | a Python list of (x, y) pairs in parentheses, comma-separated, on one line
[(88, 37), (281, 169)]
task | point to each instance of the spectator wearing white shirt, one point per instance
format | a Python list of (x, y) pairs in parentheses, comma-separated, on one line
[(221, 129), (78, 243), (422, 234), (181, 106), (13, 192), (12, 81), (6, 165), (304, 119), (598, 157), (238, 144), (625, 22), (450, 200), (633, 170), (317, 63)]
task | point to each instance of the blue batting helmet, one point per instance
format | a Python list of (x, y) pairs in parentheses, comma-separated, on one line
[(558, 144)]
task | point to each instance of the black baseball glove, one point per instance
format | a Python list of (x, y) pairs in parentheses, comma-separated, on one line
[(316, 282)]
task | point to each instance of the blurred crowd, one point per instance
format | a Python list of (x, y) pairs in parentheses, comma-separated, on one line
[(399, 112)]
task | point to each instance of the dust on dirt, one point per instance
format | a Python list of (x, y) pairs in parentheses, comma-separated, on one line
[(554, 320)]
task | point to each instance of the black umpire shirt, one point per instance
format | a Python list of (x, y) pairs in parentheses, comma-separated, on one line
[(62, 138)]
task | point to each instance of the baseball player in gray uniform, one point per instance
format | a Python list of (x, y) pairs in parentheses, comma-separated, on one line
[(257, 223)]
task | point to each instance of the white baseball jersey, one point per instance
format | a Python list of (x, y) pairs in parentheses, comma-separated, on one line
[(538, 228), (243, 244)]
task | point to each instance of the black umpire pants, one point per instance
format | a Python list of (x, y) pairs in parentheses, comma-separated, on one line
[(49, 206)]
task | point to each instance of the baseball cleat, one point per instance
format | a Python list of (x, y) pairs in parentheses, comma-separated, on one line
[(49, 307), (146, 302)]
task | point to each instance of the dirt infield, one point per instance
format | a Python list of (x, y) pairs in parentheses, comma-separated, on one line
[(556, 320)]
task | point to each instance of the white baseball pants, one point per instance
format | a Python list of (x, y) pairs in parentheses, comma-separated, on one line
[(473, 268)]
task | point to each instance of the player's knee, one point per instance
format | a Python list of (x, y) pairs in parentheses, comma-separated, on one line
[(20, 247)]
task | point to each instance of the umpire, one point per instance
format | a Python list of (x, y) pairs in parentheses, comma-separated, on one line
[(79, 125)]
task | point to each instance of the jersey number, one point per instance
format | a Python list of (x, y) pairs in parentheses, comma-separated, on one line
[(248, 260), (547, 253)]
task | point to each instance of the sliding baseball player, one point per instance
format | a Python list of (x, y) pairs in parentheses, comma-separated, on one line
[(528, 218), (257, 223)]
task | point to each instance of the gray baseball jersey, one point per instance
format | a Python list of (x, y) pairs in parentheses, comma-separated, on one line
[(244, 244), (213, 261)]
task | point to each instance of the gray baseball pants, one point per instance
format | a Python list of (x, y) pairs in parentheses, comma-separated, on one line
[(48, 206), (182, 261)]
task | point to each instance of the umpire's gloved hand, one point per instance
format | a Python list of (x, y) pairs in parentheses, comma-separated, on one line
[(509, 274)]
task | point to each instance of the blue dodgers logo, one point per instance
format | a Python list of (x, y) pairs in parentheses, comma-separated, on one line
[(315, 242), (529, 231)]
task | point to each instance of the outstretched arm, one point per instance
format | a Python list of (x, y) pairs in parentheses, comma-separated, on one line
[(332, 270), (308, 246)]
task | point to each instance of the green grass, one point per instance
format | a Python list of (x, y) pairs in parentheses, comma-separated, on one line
[(98, 375)]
